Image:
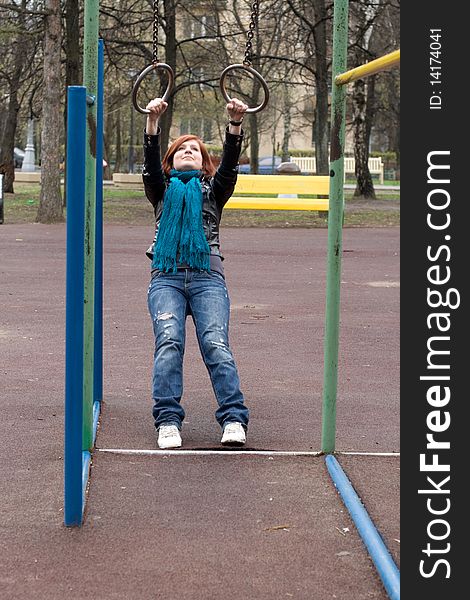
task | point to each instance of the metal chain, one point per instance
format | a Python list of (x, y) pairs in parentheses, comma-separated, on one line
[(253, 23), (155, 31)]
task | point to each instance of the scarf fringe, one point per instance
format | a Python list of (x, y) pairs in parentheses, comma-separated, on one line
[(181, 226)]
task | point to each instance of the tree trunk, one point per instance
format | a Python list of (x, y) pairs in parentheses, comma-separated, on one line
[(254, 142), (130, 146), (364, 186), (7, 165), (20, 54), (396, 144), (72, 58), (3, 116), (321, 130), (370, 108), (108, 129), (363, 98), (50, 202), (394, 128), (72, 43), (287, 125), (253, 118), (118, 161)]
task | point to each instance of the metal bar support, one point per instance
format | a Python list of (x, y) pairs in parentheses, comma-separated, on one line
[(335, 228), (90, 79), (98, 313), (378, 551), (75, 182), (374, 66)]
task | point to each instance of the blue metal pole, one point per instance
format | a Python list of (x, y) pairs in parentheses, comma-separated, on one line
[(379, 553), (74, 324), (98, 314)]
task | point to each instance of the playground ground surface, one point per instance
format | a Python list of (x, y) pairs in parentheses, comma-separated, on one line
[(202, 527)]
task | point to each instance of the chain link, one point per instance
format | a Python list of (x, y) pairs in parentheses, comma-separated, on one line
[(155, 32), (251, 32)]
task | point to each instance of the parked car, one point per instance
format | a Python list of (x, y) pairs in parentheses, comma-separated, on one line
[(18, 156), (265, 165)]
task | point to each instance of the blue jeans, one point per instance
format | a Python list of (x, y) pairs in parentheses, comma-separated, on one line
[(171, 297)]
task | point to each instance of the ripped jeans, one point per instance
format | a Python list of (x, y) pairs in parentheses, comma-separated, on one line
[(171, 297)]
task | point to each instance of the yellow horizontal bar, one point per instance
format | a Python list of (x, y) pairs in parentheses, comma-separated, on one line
[(374, 66), (278, 203), (283, 184)]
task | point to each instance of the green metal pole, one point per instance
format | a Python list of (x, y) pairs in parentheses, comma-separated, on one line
[(90, 81), (335, 227)]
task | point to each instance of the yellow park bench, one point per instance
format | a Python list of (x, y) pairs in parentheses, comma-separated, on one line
[(280, 192)]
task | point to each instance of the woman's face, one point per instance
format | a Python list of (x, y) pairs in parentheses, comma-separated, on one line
[(188, 156)]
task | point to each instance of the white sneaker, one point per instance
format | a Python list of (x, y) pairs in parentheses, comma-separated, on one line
[(234, 435), (169, 437)]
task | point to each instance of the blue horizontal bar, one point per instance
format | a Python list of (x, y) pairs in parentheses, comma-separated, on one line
[(387, 569)]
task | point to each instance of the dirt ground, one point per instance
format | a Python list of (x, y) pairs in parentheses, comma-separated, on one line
[(202, 527)]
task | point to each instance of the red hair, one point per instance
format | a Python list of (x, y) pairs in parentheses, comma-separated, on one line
[(208, 169)]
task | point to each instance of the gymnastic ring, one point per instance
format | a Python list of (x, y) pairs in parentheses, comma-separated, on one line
[(253, 109), (142, 75)]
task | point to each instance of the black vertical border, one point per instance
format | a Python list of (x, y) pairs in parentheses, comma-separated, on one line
[(422, 131)]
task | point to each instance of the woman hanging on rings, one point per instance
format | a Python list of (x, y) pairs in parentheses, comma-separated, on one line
[(187, 276)]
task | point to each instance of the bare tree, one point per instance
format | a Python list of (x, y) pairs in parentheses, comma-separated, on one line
[(363, 20), (371, 24), (321, 131), (72, 57), (312, 20), (385, 38), (72, 43), (12, 71), (170, 55), (198, 38), (50, 203)]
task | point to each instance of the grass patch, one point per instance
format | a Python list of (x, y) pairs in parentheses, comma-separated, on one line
[(375, 181), (21, 207), (130, 207), (127, 208), (372, 218)]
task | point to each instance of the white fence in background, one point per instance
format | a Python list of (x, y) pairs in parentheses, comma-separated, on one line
[(307, 164)]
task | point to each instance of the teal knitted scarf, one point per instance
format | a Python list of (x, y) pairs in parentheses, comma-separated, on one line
[(181, 234)]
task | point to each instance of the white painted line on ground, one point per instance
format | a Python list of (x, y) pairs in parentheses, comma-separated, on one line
[(206, 452), (130, 451), (369, 453)]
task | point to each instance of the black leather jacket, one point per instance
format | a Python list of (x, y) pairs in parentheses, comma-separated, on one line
[(215, 190)]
